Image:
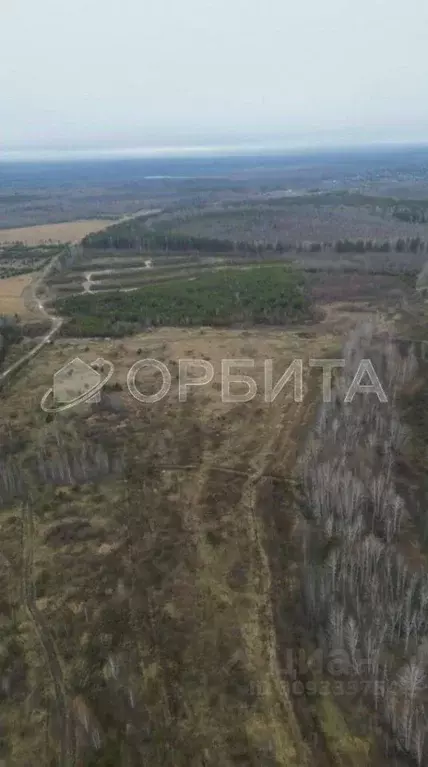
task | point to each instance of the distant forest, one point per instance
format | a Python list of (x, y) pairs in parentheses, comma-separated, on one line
[(131, 237)]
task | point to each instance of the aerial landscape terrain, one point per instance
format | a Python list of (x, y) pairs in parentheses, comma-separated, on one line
[(202, 579)]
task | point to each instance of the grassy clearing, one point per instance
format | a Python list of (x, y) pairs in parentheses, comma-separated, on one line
[(164, 573), (160, 581)]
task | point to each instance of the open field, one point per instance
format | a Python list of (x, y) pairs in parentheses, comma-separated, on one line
[(62, 232), (147, 622), (12, 299)]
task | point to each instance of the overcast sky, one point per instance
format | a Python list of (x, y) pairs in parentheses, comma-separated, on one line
[(143, 73)]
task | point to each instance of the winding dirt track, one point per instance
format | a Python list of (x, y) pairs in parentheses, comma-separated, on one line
[(37, 619), (56, 321), (41, 628)]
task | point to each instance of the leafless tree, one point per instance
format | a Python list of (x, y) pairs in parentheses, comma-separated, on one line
[(411, 680)]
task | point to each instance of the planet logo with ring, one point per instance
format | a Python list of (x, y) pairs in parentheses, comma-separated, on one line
[(77, 383)]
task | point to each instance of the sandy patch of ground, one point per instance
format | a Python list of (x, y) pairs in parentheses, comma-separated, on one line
[(64, 232)]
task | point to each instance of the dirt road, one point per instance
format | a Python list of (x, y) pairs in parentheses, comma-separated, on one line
[(56, 321)]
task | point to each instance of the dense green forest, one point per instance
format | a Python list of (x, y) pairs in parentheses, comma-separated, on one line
[(131, 235), (188, 244), (401, 245), (261, 295), (128, 237)]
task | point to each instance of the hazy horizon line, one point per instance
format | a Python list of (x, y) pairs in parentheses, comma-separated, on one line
[(196, 150)]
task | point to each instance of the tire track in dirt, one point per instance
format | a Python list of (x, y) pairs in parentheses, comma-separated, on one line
[(278, 438), (282, 424), (41, 628), (221, 470), (34, 298), (284, 446)]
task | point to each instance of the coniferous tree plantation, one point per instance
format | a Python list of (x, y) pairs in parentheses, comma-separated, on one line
[(266, 295)]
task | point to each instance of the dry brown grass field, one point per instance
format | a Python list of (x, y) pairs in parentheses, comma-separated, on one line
[(12, 299), (69, 231), (159, 588)]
